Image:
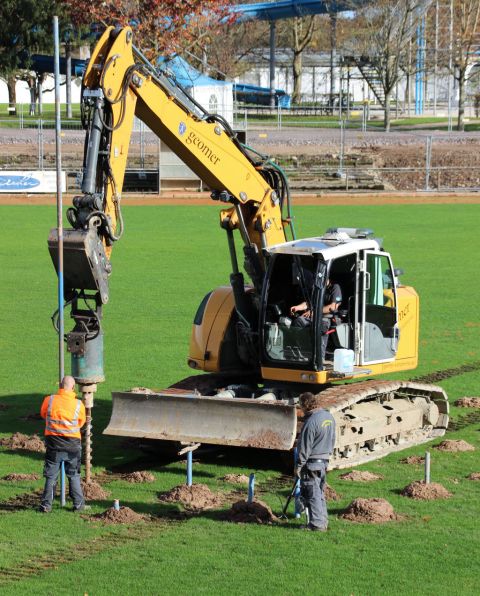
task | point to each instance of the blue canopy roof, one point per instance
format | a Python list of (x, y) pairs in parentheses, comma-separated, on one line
[(186, 74)]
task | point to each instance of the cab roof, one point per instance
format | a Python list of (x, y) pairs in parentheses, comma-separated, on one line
[(331, 245)]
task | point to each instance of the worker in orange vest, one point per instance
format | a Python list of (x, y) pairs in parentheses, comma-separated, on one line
[(64, 417)]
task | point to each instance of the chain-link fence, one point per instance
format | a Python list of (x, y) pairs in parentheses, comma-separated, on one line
[(336, 155)]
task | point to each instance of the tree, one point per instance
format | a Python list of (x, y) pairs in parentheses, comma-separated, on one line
[(161, 26), (384, 32), (25, 28), (466, 30)]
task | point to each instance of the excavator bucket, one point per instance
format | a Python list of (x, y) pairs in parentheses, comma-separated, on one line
[(192, 418)]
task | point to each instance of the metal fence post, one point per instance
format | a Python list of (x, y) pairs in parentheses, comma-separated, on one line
[(428, 160)]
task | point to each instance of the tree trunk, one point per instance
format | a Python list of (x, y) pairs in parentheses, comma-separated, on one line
[(461, 101), (386, 120), (68, 79), (297, 78), (12, 95), (333, 55)]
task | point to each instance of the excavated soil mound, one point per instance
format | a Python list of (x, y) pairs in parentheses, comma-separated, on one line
[(361, 476), (141, 476), (3, 407), (19, 441), (124, 515), (255, 512), (474, 476), (236, 478), (426, 492), (468, 402), (195, 497), (413, 459), (16, 477), (331, 494), (92, 491), (370, 511), (455, 445)]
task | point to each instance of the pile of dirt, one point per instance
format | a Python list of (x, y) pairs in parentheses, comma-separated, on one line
[(194, 498), (370, 511), (16, 477), (361, 476), (4, 407), (92, 491), (474, 476), (331, 494), (468, 402), (236, 478), (426, 492), (124, 515), (19, 441), (140, 476), (454, 445), (20, 502), (256, 512), (413, 459)]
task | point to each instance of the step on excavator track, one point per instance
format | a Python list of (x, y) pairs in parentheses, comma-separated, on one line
[(374, 418)]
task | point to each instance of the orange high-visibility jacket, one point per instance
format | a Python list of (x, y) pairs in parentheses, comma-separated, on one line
[(64, 414)]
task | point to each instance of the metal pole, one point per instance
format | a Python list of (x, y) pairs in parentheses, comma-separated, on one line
[(450, 67), (251, 487), (62, 485), (427, 467), (428, 161), (58, 145), (272, 63), (435, 62), (189, 468)]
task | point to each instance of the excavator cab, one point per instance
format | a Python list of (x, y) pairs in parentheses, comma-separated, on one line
[(366, 320)]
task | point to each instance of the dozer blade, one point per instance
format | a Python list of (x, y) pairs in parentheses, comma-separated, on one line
[(191, 418)]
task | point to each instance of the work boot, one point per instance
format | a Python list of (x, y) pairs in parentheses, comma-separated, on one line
[(81, 508), (43, 509), (315, 528)]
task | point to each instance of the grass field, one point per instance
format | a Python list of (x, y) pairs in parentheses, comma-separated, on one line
[(169, 258)]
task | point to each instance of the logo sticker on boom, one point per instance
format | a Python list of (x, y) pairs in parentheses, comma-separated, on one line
[(182, 128)]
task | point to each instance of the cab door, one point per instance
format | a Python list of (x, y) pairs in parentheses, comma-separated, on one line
[(378, 315)]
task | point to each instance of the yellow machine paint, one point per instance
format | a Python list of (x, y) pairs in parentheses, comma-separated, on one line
[(119, 83)]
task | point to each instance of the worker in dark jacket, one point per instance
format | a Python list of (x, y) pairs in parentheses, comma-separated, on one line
[(314, 448), (64, 416)]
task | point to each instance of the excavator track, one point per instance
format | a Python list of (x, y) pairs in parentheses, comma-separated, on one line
[(375, 418)]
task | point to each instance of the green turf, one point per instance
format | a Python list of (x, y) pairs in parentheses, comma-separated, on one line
[(169, 258)]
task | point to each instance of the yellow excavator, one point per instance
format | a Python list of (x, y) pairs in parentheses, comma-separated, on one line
[(256, 357)]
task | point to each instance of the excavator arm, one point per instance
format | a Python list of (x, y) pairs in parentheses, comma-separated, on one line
[(119, 83)]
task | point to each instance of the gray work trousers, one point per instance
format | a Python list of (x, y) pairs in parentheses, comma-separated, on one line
[(51, 469), (312, 491)]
